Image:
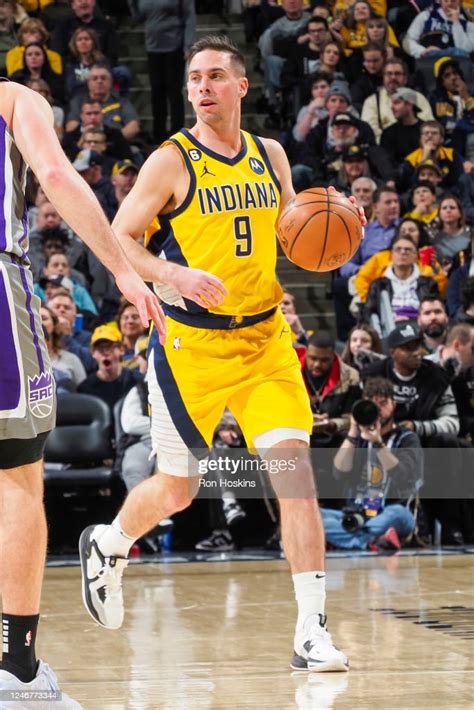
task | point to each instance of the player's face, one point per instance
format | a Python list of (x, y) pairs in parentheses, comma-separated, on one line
[(215, 88), (319, 360)]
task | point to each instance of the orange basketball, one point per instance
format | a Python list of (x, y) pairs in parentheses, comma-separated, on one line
[(319, 230)]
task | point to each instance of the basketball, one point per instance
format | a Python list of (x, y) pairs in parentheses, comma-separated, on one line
[(319, 230)]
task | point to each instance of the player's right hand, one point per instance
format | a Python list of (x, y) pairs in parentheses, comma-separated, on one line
[(199, 286)]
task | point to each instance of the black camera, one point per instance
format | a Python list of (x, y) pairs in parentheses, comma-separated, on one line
[(353, 518), (365, 412)]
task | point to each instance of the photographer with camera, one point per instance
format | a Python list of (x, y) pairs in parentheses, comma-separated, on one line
[(380, 463)]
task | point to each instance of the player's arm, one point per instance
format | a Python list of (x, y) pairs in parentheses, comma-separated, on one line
[(33, 131), (152, 194)]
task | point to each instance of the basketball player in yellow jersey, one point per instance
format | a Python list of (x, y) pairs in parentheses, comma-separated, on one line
[(218, 192)]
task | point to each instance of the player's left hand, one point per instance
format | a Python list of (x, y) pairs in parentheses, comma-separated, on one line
[(146, 302), (362, 217)]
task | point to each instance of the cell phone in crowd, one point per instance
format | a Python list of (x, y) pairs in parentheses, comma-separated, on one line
[(79, 322)]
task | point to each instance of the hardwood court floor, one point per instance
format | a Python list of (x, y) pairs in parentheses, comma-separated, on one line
[(218, 636)]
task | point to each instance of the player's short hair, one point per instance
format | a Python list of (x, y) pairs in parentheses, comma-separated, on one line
[(322, 339), (219, 43), (378, 387), (461, 332)]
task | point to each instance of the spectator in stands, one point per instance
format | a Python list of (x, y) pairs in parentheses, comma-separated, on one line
[(91, 116), (402, 282), (288, 308), (432, 148), (51, 235), (453, 106), (377, 108), (374, 268), (424, 203), (95, 139), (303, 57), (452, 235), (440, 31), (354, 30), (355, 164), (331, 60), (35, 65), (32, 31), (363, 189), (84, 50), (310, 115), (430, 171), (131, 329), (384, 451), (465, 189), (124, 177), (88, 164), (275, 44), (363, 347), (332, 386), (42, 87), (84, 15), (75, 339), (57, 270), (111, 381), (7, 31), (459, 275), (379, 32), (61, 360), (433, 322), (117, 111), (169, 33), (403, 136), (370, 75)]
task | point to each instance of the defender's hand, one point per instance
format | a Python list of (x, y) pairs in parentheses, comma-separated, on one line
[(137, 292)]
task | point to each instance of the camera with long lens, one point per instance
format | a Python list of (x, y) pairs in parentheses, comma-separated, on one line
[(365, 412), (353, 517)]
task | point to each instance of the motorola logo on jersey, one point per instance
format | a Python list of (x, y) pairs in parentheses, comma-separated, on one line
[(257, 166), (195, 154)]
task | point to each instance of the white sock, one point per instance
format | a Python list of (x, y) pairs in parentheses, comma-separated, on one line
[(114, 541), (310, 594)]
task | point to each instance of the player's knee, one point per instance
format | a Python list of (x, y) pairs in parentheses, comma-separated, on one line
[(180, 493)]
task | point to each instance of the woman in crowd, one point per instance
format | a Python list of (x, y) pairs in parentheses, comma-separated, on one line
[(355, 164), (36, 66), (375, 267), (68, 370), (315, 111), (32, 31), (354, 31), (84, 48), (403, 283), (331, 60), (452, 235), (363, 346), (131, 328)]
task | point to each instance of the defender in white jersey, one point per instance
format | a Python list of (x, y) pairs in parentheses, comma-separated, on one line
[(27, 401)]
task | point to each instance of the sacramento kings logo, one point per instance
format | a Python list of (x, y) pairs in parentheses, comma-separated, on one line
[(40, 394), (257, 166)]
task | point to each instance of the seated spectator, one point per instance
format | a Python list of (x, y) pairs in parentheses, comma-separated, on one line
[(354, 30), (131, 330), (51, 236), (332, 386), (88, 164), (75, 339), (117, 111), (288, 308), (452, 235), (403, 136), (95, 139), (91, 116), (84, 15), (453, 106), (370, 74), (382, 465), (62, 361), (124, 177), (431, 148), (379, 32), (330, 60), (32, 31), (465, 313), (8, 38), (424, 203), (355, 164), (374, 268), (35, 65), (275, 44), (58, 271), (363, 189), (433, 323), (458, 276), (310, 115), (363, 347), (377, 108), (440, 31), (403, 283), (429, 171), (42, 87), (85, 51), (111, 381)]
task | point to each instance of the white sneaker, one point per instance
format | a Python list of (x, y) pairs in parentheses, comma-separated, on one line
[(41, 693), (314, 649), (101, 580)]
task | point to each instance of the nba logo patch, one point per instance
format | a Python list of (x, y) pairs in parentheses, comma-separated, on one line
[(40, 394), (257, 166), (177, 343)]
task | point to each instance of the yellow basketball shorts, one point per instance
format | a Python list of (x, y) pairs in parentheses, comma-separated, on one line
[(254, 371)]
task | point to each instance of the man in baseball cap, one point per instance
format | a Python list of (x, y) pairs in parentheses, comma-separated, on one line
[(403, 334), (123, 178)]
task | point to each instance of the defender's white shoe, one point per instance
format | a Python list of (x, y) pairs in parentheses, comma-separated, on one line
[(41, 693)]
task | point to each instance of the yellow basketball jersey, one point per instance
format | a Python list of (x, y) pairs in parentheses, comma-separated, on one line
[(226, 225)]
